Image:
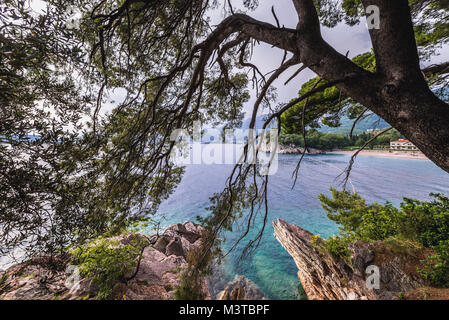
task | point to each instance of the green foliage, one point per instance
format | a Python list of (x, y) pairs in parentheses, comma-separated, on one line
[(328, 141), (436, 267), (62, 181), (41, 107), (430, 19), (425, 223), (431, 24), (358, 219), (317, 140), (190, 288), (3, 286), (336, 246), (107, 261), (325, 107)]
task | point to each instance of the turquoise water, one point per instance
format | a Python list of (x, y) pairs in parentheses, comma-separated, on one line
[(271, 268)]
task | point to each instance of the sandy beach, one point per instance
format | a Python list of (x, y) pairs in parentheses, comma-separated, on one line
[(389, 154)]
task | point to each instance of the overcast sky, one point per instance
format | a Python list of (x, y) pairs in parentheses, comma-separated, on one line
[(343, 38)]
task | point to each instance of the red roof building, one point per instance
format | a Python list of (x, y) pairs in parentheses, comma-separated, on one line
[(403, 145)]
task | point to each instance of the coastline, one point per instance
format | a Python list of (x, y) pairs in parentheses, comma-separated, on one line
[(386, 154), (416, 155)]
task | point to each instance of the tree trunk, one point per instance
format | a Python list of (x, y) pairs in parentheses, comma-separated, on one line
[(422, 118), (397, 91)]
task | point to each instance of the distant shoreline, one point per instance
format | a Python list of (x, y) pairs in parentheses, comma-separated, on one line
[(416, 155), (387, 154)]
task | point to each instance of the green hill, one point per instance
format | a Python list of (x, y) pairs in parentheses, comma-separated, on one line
[(373, 122)]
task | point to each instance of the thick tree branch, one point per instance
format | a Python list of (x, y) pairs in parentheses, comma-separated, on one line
[(282, 38), (435, 69), (394, 42), (308, 17)]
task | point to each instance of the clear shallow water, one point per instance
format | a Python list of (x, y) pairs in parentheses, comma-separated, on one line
[(271, 268)]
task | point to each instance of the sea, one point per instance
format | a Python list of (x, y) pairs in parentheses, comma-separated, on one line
[(270, 267)]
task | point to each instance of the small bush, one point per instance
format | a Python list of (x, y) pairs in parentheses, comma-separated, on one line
[(301, 293), (3, 286), (189, 288), (107, 262), (416, 223), (436, 267), (336, 246)]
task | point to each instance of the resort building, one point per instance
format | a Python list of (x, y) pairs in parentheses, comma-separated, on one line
[(403, 145)]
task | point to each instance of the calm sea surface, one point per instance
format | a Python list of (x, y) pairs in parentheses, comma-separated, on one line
[(271, 268)]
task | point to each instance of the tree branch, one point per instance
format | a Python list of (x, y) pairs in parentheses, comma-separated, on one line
[(394, 42)]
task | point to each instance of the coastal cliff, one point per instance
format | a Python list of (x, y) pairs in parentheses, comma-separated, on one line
[(155, 276), (325, 278)]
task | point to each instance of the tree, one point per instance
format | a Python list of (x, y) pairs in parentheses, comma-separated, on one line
[(176, 68), (54, 187), (415, 225)]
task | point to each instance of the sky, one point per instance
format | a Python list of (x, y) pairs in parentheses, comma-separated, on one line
[(343, 38)]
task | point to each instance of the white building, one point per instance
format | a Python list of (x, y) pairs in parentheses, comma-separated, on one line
[(403, 145)]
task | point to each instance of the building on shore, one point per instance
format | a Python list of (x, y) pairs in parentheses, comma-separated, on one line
[(403, 145)]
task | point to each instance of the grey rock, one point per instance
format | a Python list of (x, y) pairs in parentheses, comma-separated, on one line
[(175, 248), (325, 278), (241, 288)]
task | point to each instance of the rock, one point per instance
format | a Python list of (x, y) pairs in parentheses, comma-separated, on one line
[(181, 231), (32, 280), (362, 256), (156, 276), (194, 228), (237, 293), (161, 243), (223, 295), (241, 288), (324, 277), (175, 248)]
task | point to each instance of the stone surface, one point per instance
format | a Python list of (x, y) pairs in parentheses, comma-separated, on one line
[(324, 277), (156, 276)]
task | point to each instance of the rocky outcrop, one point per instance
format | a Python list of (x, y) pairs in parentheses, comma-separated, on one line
[(324, 277), (155, 277), (241, 288), (33, 280)]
